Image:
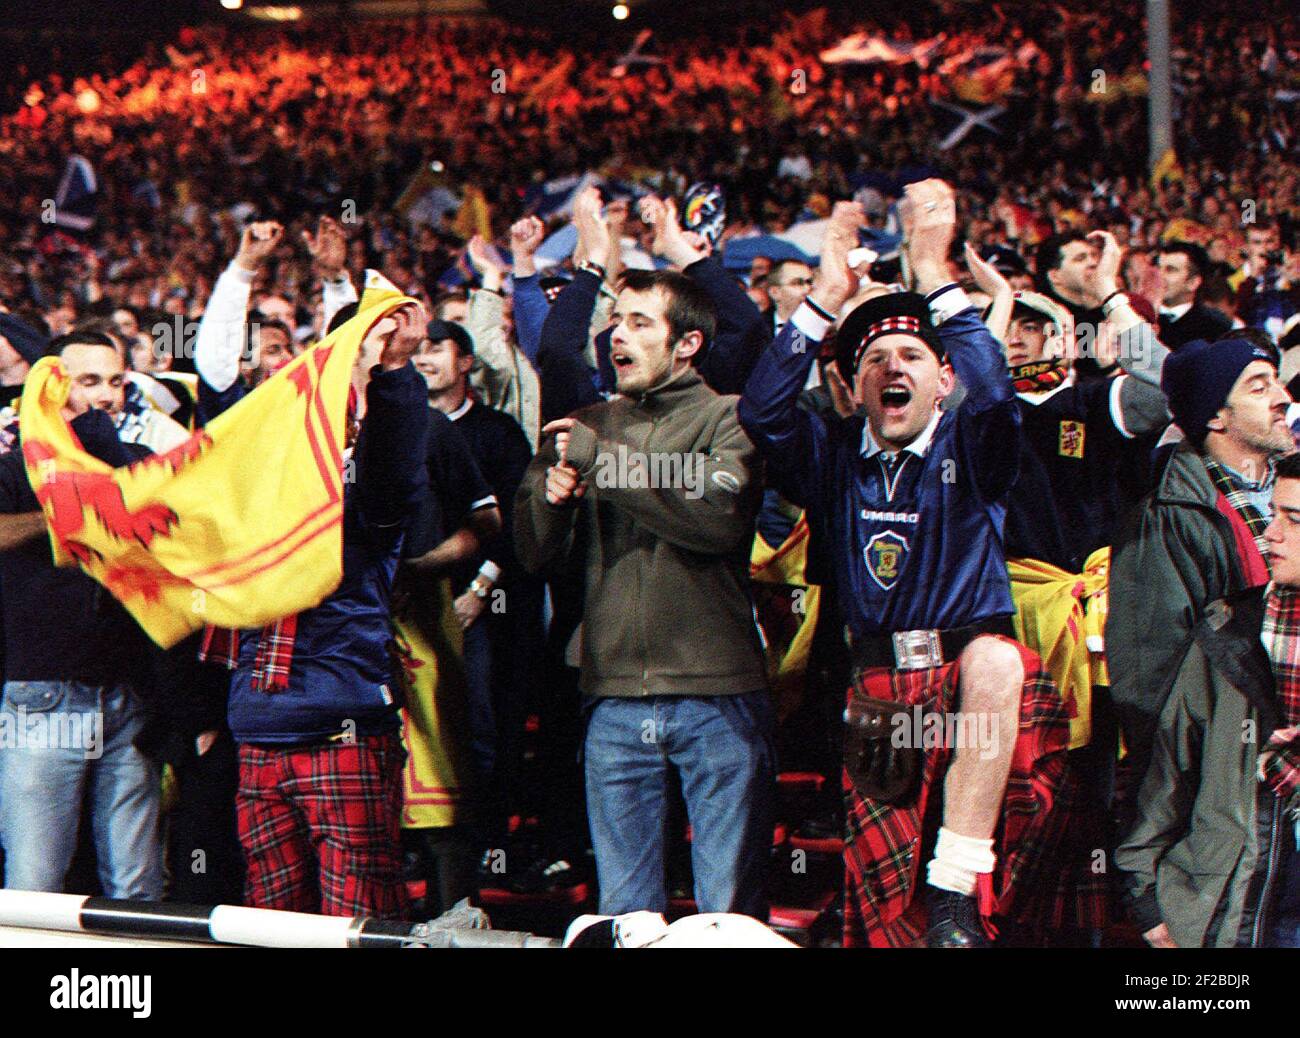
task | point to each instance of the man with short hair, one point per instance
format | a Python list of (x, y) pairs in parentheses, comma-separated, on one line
[(1182, 267), (654, 493), (502, 645), (788, 285), (908, 504), (1067, 273), (271, 346), (1066, 263), (1212, 859), (1079, 438), (73, 654), (1199, 536)]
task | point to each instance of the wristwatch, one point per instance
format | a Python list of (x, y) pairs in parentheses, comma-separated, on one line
[(478, 588)]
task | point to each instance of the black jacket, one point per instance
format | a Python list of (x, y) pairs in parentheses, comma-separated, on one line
[(1200, 322)]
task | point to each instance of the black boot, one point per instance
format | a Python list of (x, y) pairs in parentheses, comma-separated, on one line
[(954, 921)]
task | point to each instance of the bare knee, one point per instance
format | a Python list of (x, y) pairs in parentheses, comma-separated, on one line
[(992, 674)]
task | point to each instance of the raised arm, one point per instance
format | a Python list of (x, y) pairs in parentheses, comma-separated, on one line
[(988, 435), (791, 440), (219, 345), (562, 366), (487, 312), (329, 253), (391, 448), (531, 306)]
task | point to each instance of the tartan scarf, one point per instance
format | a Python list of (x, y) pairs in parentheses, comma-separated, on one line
[(1227, 485), (1038, 376), (274, 652), (1280, 769)]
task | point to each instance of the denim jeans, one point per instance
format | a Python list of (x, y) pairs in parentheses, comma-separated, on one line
[(64, 743), (722, 749)]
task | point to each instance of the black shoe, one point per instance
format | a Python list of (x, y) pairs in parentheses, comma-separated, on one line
[(826, 827), (544, 877), (954, 921)]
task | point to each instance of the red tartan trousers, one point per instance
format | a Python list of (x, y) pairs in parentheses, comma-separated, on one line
[(884, 844), (321, 827)]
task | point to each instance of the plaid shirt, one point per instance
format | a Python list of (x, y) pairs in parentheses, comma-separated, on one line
[(1280, 768), (1033, 883)]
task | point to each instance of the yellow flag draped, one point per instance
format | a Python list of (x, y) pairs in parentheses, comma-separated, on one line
[(1057, 615), (239, 525), (429, 643)]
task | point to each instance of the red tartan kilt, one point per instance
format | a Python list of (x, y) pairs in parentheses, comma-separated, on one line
[(884, 844)]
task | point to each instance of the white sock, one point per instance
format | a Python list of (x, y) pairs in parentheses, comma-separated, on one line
[(958, 860)]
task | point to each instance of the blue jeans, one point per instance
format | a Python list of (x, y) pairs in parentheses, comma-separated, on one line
[(61, 740), (722, 749)]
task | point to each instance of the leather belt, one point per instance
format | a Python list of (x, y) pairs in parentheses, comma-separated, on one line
[(921, 649)]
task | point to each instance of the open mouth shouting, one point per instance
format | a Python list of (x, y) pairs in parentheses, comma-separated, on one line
[(894, 399), (623, 363)]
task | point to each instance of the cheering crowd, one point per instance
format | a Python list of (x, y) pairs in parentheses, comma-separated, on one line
[(997, 530)]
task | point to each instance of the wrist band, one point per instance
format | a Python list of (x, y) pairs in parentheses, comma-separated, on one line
[(819, 310), (592, 268)]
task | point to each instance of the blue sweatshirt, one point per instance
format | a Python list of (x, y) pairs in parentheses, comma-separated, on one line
[(915, 545)]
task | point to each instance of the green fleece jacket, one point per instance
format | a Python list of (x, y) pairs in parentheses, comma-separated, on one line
[(663, 534)]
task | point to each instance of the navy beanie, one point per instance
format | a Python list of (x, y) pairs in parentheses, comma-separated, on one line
[(29, 343), (1199, 377)]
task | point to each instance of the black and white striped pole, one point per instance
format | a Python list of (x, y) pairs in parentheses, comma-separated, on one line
[(233, 925)]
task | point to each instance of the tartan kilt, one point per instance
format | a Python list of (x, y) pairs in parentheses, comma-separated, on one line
[(885, 844)]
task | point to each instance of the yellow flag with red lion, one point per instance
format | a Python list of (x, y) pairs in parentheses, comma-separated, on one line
[(240, 525)]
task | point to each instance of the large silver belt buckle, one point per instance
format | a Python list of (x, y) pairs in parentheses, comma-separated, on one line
[(917, 650)]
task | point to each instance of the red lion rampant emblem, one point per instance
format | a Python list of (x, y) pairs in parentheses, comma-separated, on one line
[(67, 495)]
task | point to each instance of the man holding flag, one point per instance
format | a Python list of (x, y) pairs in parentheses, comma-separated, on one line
[(274, 516), (313, 705)]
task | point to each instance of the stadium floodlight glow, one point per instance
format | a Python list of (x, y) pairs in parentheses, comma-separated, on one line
[(620, 12), (232, 5)]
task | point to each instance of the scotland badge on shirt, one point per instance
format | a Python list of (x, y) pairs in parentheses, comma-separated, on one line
[(885, 553)]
